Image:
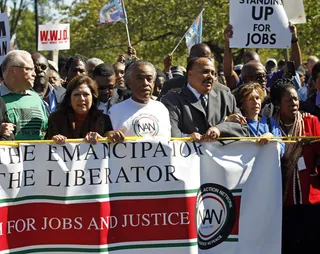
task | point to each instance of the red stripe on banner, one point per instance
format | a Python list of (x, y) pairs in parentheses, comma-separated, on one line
[(123, 221), (235, 230)]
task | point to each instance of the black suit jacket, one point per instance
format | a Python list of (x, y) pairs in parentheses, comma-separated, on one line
[(187, 114), (178, 82), (59, 92)]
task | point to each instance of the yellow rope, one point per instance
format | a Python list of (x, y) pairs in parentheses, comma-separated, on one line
[(279, 139)]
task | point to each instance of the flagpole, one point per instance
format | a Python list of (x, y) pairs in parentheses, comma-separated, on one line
[(184, 35), (126, 23)]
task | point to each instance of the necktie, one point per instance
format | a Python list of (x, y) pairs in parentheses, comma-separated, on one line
[(203, 101)]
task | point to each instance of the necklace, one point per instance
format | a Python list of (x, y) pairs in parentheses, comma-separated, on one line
[(287, 125)]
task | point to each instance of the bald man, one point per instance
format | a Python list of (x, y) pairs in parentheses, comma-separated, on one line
[(175, 84)]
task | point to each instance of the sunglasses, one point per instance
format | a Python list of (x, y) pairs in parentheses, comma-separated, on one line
[(41, 67)]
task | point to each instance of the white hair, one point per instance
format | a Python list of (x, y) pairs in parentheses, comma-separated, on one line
[(94, 61), (132, 65), (14, 58)]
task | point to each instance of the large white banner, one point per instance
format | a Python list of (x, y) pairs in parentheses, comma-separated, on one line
[(4, 36), (54, 37), (141, 197), (259, 24)]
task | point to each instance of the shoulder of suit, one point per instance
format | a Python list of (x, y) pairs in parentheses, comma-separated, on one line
[(217, 86)]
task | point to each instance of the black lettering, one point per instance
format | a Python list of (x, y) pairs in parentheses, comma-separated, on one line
[(91, 153), (50, 177), (122, 174), (26, 152), (52, 149), (26, 177), (92, 176)]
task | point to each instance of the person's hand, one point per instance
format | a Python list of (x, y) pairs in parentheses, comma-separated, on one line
[(236, 118), (228, 32), (305, 114), (92, 137), (293, 31), (121, 59), (59, 139), (265, 138), (131, 51), (134, 58), (167, 62), (115, 136), (6, 129), (211, 135), (195, 136)]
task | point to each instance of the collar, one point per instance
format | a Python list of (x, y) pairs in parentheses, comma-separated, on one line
[(195, 92), (4, 90)]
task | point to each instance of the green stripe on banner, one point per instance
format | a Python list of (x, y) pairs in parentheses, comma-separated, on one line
[(113, 195), (127, 247)]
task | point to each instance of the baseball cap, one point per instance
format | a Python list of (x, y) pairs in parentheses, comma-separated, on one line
[(272, 60)]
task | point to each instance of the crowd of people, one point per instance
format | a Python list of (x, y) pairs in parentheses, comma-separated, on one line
[(91, 99)]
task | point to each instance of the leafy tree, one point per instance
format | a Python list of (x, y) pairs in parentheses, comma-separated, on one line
[(156, 27)]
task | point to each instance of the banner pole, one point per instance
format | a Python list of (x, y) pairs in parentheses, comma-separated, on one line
[(126, 23), (184, 35), (129, 42)]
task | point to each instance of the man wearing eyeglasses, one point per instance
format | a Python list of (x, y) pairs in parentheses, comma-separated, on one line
[(105, 78), (198, 110), (51, 95), (24, 106)]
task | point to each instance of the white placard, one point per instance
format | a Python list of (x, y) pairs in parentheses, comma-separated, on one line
[(259, 25), (295, 11), (54, 37), (4, 36)]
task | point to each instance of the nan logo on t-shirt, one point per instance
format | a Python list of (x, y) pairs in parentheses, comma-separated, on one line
[(145, 125)]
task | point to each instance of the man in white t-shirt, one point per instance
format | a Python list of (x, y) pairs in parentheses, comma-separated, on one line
[(139, 115)]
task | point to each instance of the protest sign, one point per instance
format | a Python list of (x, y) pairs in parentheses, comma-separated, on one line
[(54, 37), (141, 197), (295, 11), (4, 36), (259, 24)]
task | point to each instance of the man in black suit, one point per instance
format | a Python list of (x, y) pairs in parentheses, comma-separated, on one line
[(51, 95), (200, 111), (175, 84)]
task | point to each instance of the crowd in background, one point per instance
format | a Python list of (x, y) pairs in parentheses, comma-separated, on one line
[(90, 99)]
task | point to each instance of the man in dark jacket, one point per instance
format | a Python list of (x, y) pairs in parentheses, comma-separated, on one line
[(201, 111), (51, 95), (175, 84)]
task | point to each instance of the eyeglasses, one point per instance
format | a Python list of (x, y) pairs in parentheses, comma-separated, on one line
[(27, 69), (260, 77), (108, 87), (41, 67)]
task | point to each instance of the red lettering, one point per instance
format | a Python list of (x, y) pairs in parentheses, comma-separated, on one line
[(43, 35), (53, 35)]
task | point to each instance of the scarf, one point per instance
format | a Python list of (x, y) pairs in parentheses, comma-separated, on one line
[(292, 153)]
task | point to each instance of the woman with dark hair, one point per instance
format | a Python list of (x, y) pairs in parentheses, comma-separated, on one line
[(249, 100), (77, 116), (301, 182)]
